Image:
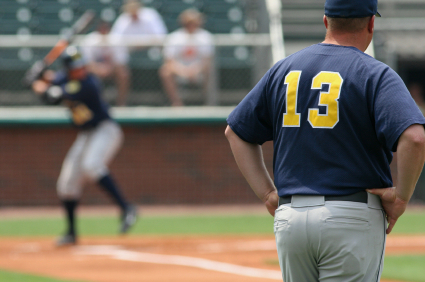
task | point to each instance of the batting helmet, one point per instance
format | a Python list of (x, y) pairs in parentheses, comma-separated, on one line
[(72, 58)]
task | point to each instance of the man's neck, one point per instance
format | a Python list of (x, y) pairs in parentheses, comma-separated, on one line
[(358, 40)]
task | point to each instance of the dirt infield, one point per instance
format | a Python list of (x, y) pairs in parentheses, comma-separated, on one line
[(159, 259)]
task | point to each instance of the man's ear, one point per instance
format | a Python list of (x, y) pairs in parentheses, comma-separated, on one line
[(371, 24), (325, 21)]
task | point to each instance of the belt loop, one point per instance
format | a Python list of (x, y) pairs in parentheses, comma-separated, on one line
[(299, 201), (373, 201)]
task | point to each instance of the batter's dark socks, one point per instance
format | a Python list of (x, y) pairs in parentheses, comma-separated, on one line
[(111, 188), (70, 207)]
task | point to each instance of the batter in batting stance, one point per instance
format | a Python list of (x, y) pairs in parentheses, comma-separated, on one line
[(97, 142), (335, 116)]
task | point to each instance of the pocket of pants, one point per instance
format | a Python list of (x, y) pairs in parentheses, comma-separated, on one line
[(347, 221), (279, 224)]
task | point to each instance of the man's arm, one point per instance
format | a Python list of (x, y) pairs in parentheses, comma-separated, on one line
[(249, 158), (410, 161)]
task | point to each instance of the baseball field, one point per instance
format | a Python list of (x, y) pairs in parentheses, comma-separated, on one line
[(171, 243)]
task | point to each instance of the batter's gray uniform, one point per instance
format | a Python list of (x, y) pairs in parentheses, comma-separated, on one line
[(88, 158), (98, 140)]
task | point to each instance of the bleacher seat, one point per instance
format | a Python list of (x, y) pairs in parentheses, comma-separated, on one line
[(49, 26), (45, 17), (218, 13), (9, 59)]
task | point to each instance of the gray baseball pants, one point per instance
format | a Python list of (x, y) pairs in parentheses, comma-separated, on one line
[(330, 241), (88, 158)]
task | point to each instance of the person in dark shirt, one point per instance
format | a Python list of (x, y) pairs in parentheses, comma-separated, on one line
[(97, 142), (335, 116)]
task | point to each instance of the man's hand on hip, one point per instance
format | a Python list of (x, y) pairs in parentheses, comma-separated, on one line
[(272, 202), (393, 205)]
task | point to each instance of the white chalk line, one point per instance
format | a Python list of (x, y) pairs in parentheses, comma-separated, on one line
[(116, 252)]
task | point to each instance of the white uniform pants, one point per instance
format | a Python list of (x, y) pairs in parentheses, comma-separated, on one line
[(88, 158), (332, 241)]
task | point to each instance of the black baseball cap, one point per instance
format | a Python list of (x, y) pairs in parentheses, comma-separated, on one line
[(351, 8)]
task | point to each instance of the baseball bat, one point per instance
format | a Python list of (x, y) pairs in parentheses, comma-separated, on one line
[(77, 28)]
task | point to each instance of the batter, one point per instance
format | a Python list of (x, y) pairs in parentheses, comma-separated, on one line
[(97, 142)]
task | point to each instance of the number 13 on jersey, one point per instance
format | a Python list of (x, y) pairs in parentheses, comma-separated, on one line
[(329, 99)]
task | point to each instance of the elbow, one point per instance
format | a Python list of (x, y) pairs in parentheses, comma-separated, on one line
[(415, 137), (419, 141)]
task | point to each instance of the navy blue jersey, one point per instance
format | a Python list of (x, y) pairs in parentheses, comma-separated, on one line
[(83, 97), (334, 114)]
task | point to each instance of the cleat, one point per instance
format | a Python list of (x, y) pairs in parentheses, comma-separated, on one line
[(66, 240), (128, 219)]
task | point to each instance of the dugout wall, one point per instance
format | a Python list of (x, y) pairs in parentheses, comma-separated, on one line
[(170, 156)]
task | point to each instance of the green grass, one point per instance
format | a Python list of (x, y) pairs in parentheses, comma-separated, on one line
[(403, 268), (410, 223), (161, 225), (406, 268), (19, 277), (145, 225)]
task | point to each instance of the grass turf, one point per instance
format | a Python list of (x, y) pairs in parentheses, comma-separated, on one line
[(145, 225), (20, 277), (408, 223), (406, 268), (228, 224)]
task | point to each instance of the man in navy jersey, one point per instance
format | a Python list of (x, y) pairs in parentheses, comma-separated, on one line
[(335, 116), (98, 140)]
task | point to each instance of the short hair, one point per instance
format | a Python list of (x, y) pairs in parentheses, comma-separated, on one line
[(191, 15), (350, 25), (131, 6)]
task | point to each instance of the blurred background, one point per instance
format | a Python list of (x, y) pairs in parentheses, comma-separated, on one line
[(171, 155)]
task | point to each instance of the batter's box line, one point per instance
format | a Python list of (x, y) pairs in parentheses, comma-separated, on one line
[(118, 253)]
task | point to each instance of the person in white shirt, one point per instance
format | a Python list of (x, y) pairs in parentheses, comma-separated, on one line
[(135, 20), (97, 53), (188, 52)]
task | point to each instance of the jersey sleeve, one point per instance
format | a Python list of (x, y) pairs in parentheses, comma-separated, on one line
[(170, 45), (207, 46), (251, 119), (119, 26), (394, 110), (158, 25)]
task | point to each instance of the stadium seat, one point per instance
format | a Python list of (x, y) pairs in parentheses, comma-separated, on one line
[(215, 25), (9, 26), (156, 4), (9, 59), (50, 26), (43, 17), (175, 8)]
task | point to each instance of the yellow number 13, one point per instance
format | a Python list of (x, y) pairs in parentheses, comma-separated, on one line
[(327, 98)]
